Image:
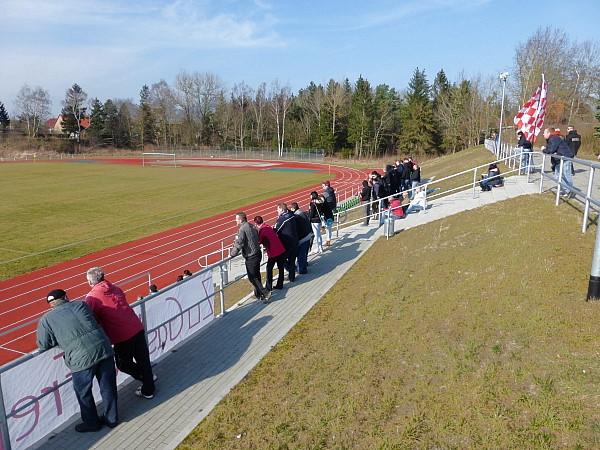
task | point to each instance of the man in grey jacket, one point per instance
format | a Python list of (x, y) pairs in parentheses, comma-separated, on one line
[(88, 354), (246, 242)]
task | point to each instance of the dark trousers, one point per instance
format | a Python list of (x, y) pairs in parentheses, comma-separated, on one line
[(104, 372), (302, 258), (280, 261), (290, 262), (253, 271), (136, 348)]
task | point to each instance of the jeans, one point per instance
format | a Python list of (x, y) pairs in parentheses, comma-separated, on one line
[(527, 160), (414, 208), (290, 262), (140, 369), (302, 261), (253, 271), (316, 226), (567, 176), (104, 372)]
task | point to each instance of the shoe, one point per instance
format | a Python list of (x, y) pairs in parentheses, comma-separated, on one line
[(83, 428), (278, 287), (267, 296), (327, 244), (107, 423), (138, 392)]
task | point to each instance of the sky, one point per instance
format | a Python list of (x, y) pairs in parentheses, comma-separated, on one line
[(111, 48)]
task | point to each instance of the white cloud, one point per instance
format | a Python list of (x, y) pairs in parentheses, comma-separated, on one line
[(404, 10)]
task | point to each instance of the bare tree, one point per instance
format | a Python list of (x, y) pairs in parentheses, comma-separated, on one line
[(281, 99), (259, 106), (74, 104), (163, 101), (32, 106), (240, 97), (572, 71)]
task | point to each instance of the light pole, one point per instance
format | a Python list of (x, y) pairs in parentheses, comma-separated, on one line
[(503, 77)]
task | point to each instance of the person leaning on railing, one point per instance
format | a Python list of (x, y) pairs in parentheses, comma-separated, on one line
[(88, 354)]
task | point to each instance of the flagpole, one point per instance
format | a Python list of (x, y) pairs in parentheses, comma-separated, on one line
[(503, 77)]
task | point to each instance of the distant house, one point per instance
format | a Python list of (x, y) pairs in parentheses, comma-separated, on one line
[(55, 125)]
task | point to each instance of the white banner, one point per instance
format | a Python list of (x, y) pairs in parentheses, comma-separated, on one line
[(25, 382)]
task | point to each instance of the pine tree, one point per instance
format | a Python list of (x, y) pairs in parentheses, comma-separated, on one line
[(146, 122), (418, 122), (97, 121), (360, 122), (4, 119)]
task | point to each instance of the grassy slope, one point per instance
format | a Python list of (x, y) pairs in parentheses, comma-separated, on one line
[(49, 205), (478, 338)]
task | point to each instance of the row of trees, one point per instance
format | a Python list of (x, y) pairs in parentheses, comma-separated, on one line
[(352, 118)]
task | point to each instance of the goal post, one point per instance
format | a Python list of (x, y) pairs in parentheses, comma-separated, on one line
[(159, 159)]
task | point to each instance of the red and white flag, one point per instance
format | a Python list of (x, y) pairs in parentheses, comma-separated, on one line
[(531, 117)]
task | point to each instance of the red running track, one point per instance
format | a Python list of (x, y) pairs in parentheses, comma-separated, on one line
[(164, 255)]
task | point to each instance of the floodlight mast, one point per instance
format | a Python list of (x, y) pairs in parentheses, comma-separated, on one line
[(503, 77)]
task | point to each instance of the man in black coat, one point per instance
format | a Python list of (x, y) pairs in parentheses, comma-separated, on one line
[(286, 229), (305, 235), (573, 140)]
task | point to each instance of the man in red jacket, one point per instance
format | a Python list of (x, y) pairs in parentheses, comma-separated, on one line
[(123, 328)]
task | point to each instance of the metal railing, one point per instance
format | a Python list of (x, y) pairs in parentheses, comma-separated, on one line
[(220, 266)]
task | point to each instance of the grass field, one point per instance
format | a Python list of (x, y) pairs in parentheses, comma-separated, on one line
[(478, 337), (54, 212)]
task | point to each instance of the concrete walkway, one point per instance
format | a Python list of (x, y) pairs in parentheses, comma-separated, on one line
[(199, 373)]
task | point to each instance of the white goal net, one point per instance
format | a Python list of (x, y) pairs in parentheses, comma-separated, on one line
[(159, 159)]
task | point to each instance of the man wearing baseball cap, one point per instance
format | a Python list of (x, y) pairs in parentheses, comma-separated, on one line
[(88, 354)]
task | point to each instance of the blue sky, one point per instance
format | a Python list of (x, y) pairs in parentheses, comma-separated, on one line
[(113, 47)]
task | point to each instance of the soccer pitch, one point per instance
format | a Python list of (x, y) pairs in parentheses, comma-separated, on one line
[(56, 211)]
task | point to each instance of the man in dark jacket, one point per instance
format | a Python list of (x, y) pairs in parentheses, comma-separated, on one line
[(88, 354), (526, 148), (329, 195), (286, 229), (558, 146), (305, 235), (246, 241), (573, 140)]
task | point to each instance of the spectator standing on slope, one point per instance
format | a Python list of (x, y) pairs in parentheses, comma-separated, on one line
[(304, 237), (365, 199), (329, 195), (275, 252), (246, 242), (558, 146), (286, 229), (123, 328), (88, 355), (573, 140)]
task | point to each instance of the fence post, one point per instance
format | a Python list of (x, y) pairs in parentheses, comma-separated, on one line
[(594, 285), (586, 210), (4, 421), (222, 272)]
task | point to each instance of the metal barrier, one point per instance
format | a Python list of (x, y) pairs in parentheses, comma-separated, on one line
[(4, 430)]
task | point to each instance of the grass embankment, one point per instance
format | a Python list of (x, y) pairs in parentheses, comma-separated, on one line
[(468, 332), (54, 212)]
